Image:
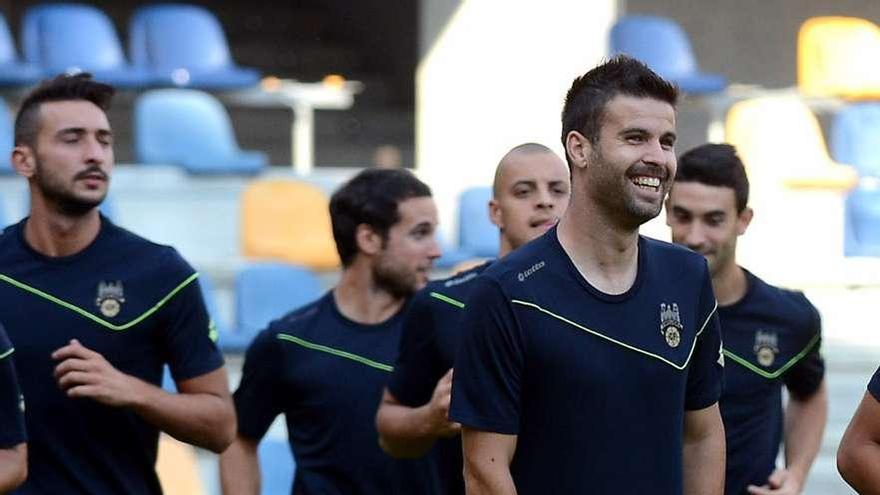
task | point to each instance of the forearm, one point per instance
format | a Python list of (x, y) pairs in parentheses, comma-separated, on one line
[(703, 452), (240, 468), (202, 419), (13, 467), (404, 432), (857, 462), (804, 425)]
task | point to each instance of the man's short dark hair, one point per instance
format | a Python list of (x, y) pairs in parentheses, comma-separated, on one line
[(371, 197), (715, 165), (61, 88), (590, 93)]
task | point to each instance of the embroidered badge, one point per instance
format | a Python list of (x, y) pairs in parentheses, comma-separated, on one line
[(766, 347), (670, 324), (110, 298)]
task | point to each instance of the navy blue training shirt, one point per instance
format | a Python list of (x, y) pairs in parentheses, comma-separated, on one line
[(594, 385), (12, 430), (136, 303), (326, 373), (431, 332), (874, 385), (772, 338)]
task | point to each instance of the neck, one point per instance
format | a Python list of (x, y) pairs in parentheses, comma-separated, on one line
[(505, 246), (604, 253), (359, 298), (730, 284), (51, 233)]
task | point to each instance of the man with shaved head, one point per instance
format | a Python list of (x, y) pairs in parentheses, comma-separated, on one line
[(530, 193)]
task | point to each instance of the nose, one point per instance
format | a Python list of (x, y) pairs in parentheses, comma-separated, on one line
[(95, 152), (545, 199), (657, 155), (434, 250), (694, 237)]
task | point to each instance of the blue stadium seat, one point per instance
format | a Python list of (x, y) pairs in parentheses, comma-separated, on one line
[(477, 235), (187, 46), (452, 255), (855, 138), (7, 138), (277, 466), (14, 72), (70, 37), (862, 221), (664, 46), (267, 291), (192, 129)]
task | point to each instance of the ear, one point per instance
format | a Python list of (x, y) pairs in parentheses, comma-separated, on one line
[(743, 220), (23, 161), (495, 213), (578, 149), (368, 240)]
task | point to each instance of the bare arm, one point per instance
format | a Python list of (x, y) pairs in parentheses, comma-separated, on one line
[(411, 431), (240, 468), (703, 452), (13, 467), (487, 459), (201, 414), (859, 452)]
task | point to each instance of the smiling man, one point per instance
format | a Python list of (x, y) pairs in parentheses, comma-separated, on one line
[(529, 194), (324, 365), (95, 312), (590, 358), (771, 336)]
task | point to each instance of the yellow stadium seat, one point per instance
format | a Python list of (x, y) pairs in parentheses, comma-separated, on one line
[(797, 191), (836, 57), (287, 220), (178, 468)]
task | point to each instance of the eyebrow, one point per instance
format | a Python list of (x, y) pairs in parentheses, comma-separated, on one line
[(83, 130)]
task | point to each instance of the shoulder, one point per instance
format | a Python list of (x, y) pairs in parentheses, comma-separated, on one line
[(301, 319), (789, 304), (451, 291), (673, 257), (164, 259)]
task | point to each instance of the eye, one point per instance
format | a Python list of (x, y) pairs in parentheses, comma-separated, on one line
[(667, 143), (635, 138), (521, 192)]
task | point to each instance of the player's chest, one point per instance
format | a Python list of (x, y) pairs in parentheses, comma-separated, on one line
[(758, 354)]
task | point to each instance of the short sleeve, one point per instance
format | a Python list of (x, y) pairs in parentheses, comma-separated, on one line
[(12, 431), (805, 377), (874, 385), (419, 365), (706, 368), (257, 401), (489, 363), (189, 334)]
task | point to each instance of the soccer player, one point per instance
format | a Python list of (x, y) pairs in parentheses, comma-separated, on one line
[(95, 312), (859, 453), (324, 365), (590, 357), (13, 449), (530, 192), (771, 336)]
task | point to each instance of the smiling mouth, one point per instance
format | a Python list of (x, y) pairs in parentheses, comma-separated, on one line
[(648, 183)]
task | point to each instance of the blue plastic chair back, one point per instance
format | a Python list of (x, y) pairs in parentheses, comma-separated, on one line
[(277, 466), (267, 291), (192, 129), (60, 37), (862, 222), (7, 45), (664, 46), (7, 139), (172, 36), (477, 234), (14, 72), (855, 138)]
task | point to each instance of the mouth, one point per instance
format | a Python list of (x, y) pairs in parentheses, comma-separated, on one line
[(544, 223), (646, 182)]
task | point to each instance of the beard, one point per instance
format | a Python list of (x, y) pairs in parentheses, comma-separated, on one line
[(393, 278), (62, 197), (610, 191)]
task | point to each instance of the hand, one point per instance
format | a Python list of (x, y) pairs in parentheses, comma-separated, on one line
[(439, 407), (780, 482), (83, 372)]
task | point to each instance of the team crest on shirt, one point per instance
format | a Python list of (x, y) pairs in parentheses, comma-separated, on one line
[(110, 298), (670, 324), (766, 347)]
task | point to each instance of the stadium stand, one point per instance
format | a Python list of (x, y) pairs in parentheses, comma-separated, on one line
[(7, 138), (855, 137), (287, 220), (186, 46), (663, 45), (478, 236), (831, 55), (267, 291), (72, 37), (862, 222), (192, 129), (14, 72), (277, 466)]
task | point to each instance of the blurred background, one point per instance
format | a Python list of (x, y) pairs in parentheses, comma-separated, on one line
[(236, 120)]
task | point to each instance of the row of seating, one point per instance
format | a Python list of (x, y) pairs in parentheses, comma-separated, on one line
[(184, 127), (168, 44)]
